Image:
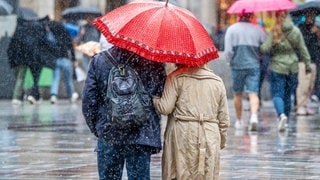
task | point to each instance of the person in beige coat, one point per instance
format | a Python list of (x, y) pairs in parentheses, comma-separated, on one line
[(195, 101)]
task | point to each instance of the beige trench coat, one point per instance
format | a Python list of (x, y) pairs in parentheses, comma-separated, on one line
[(196, 104)]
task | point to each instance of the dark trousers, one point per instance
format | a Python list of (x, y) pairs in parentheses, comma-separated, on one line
[(35, 71), (111, 159)]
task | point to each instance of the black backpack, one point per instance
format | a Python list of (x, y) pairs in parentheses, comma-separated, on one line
[(128, 104)]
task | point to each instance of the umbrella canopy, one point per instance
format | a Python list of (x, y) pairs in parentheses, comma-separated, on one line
[(5, 8), (158, 31), (305, 7), (80, 12), (252, 6)]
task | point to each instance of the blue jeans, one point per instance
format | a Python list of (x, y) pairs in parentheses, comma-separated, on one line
[(282, 88), (63, 65), (111, 159)]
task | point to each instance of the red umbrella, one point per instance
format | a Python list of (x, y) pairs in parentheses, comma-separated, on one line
[(251, 6), (158, 31)]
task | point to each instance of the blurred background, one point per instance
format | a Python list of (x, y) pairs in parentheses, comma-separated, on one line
[(212, 13)]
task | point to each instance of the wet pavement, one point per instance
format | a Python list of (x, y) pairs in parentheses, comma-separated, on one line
[(53, 142)]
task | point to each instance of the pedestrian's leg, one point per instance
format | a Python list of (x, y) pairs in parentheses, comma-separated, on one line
[(313, 77), (282, 97), (35, 71), (54, 89), (138, 164), (254, 107), (291, 85), (238, 83), (237, 100), (20, 72), (252, 84), (302, 90), (252, 88), (317, 81), (67, 72), (110, 160), (254, 103), (277, 82)]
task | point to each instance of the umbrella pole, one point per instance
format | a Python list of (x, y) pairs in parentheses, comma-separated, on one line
[(167, 3)]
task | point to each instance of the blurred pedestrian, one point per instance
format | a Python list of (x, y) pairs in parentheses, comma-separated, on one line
[(88, 32), (29, 48), (19, 66), (116, 146), (195, 101), (308, 85), (64, 63), (282, 43), (242, 41)]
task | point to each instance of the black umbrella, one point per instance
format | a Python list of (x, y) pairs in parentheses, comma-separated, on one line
[(26, 13), (309, 6), (80, 12), (5, 8)]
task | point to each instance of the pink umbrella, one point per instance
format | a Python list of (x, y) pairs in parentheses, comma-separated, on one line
[(251, 6)]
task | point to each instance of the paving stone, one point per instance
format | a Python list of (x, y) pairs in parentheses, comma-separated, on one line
[(53, 142)]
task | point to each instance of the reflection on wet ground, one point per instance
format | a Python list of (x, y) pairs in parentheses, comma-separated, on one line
[(52, 142)]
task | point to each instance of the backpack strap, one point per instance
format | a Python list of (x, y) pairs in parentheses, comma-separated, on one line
[(110, 58)]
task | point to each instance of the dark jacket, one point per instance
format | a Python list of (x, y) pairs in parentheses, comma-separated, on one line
[(311, 40), (94, 108), (63, 48), (29, 46)]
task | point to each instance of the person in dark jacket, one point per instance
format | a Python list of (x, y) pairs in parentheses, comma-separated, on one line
[(309, 85), (114, 146), (65, 60), (29, 48)]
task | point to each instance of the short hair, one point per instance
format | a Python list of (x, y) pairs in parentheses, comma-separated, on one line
[(245, 17)]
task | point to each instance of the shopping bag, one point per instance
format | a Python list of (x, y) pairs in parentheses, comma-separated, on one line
[(80, 75)]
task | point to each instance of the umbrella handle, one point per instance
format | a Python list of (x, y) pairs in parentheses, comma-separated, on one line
[(166, 3)]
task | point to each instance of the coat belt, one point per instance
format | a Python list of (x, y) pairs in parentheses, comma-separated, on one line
[(201, 144), (199, 119)]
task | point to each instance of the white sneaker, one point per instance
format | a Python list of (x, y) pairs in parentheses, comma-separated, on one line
[(31, 100), (282, 122), (253, 123), (74, 97), (16, 102), (238, 125), (53, 99)]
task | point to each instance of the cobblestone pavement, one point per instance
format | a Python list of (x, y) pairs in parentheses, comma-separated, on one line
[(53, 142)]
